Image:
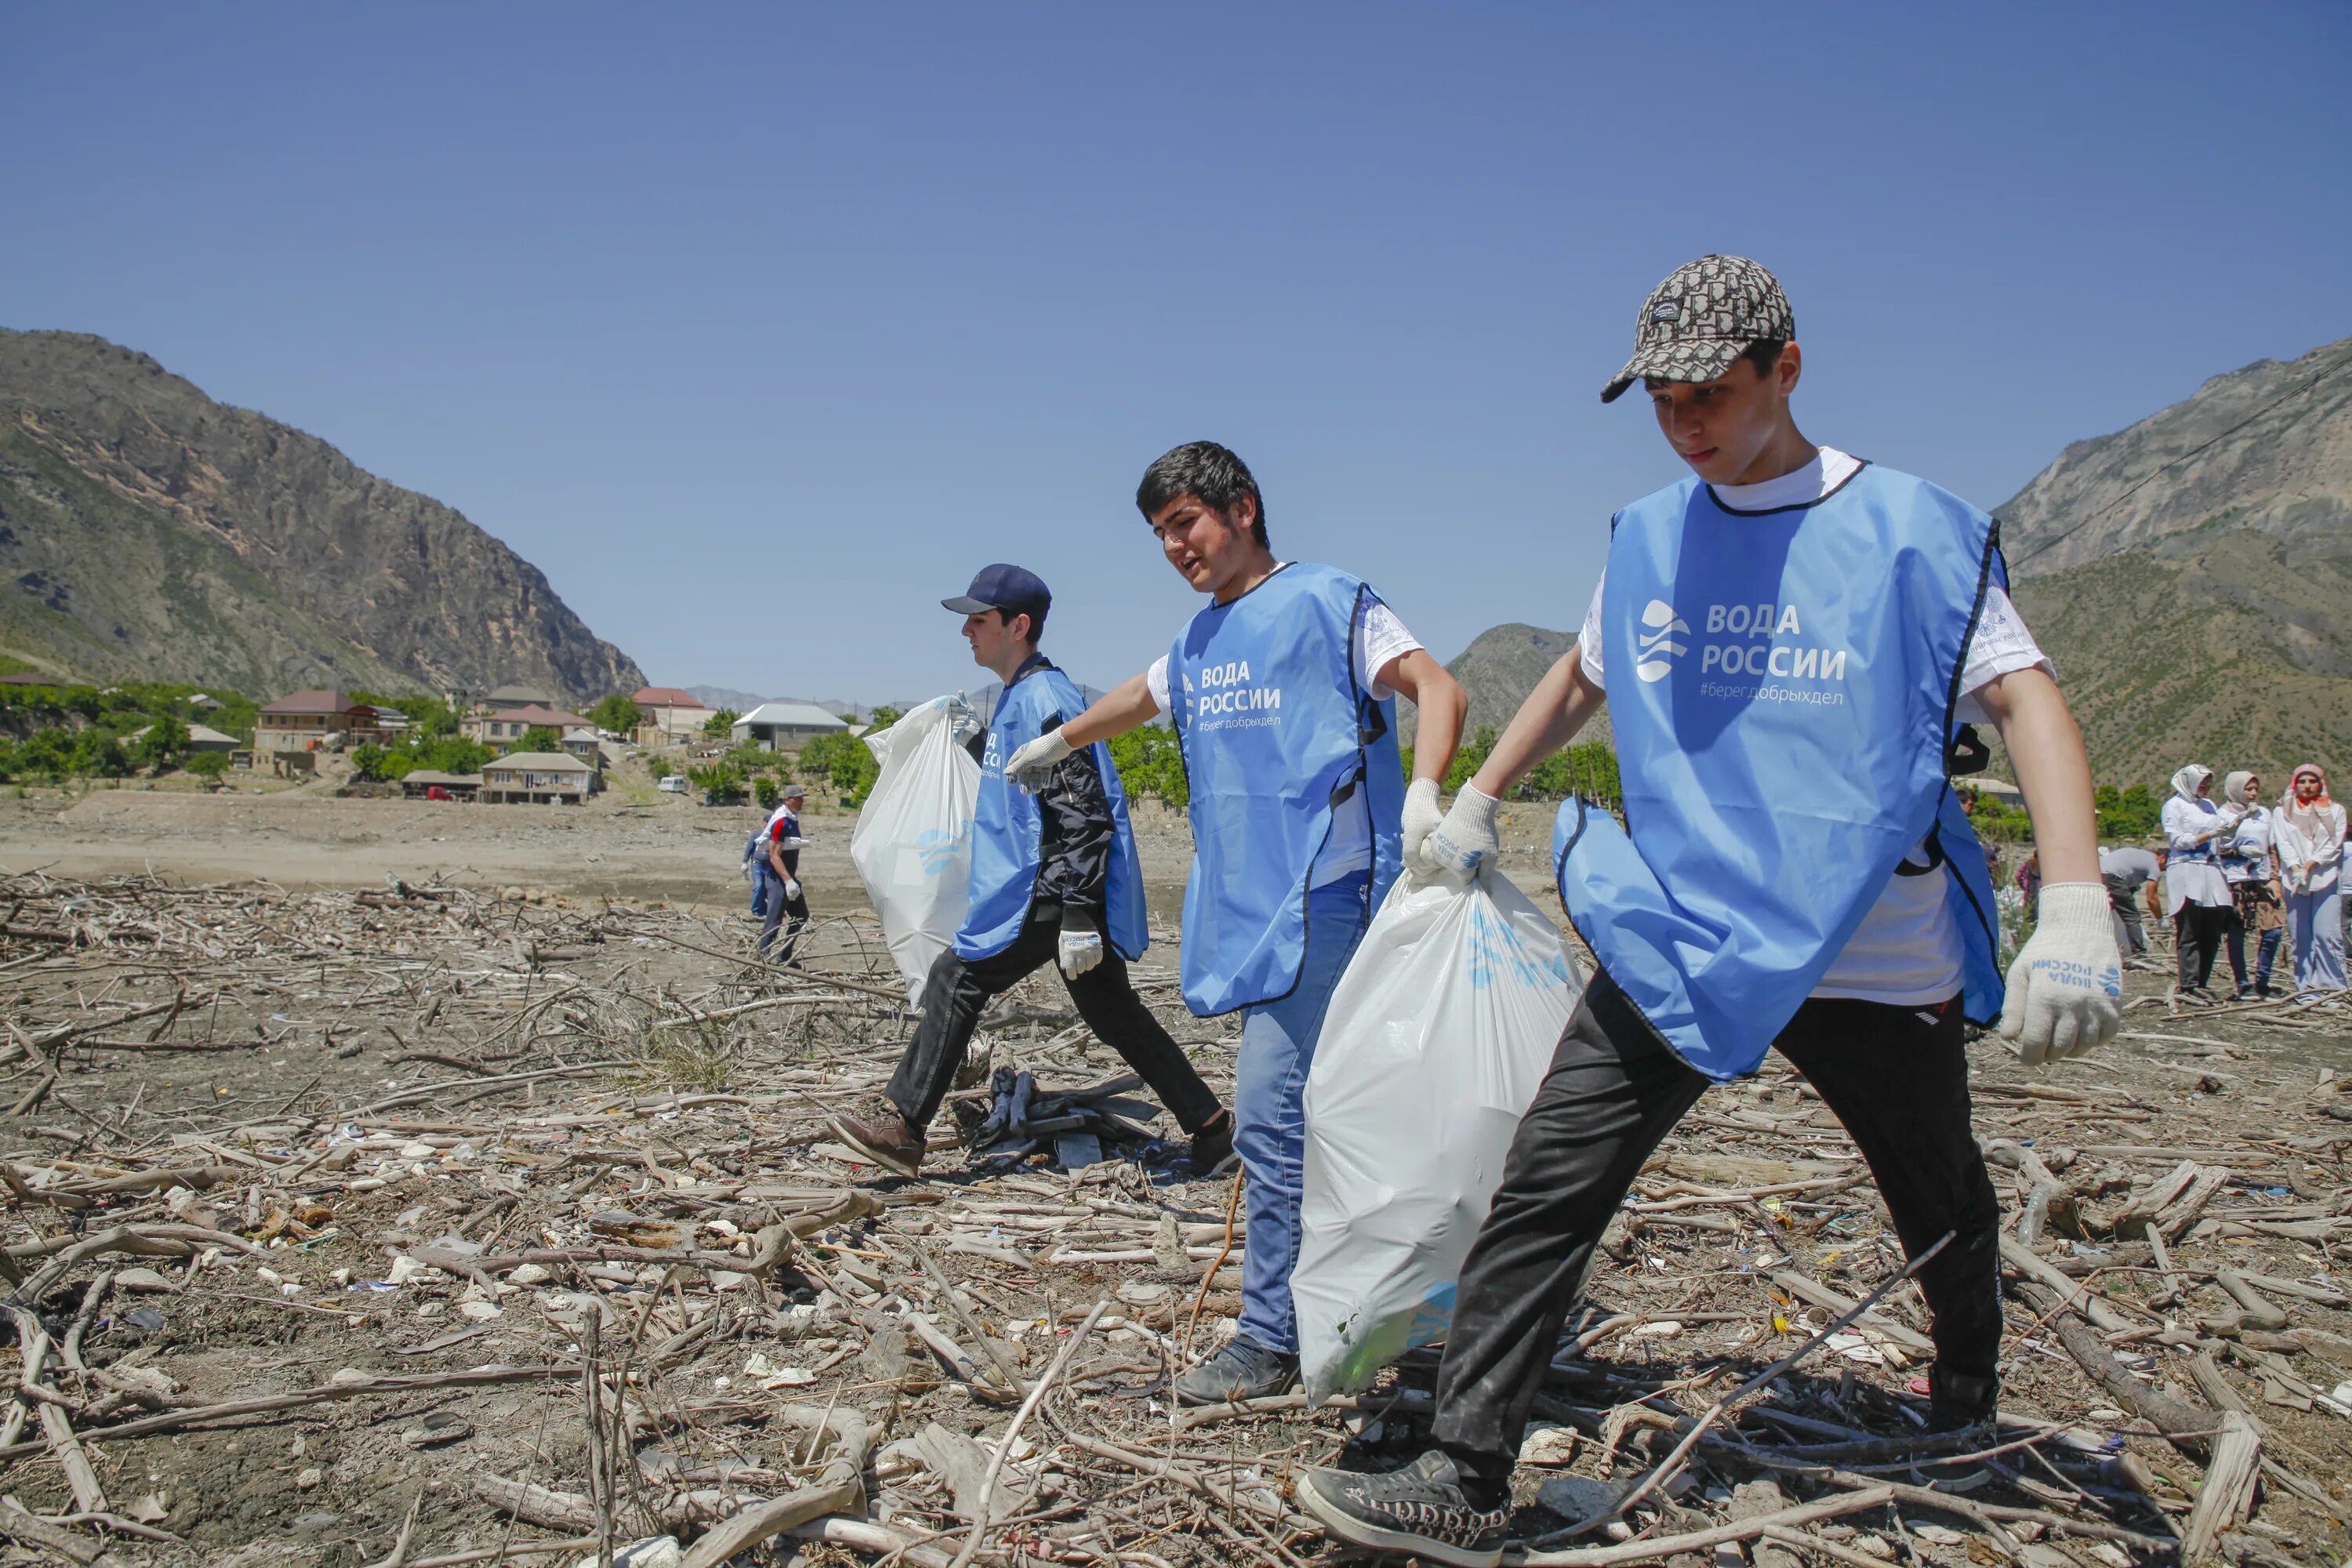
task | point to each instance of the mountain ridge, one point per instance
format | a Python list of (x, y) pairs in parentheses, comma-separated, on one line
[(147, 530)]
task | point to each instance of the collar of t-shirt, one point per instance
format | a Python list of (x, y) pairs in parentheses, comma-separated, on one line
[(1799, 487)]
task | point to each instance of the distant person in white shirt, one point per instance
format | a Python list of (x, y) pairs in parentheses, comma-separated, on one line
[(2308, 833), (2195, 891)]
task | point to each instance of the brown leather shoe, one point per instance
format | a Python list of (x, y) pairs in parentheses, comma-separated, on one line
[(885, 1139)]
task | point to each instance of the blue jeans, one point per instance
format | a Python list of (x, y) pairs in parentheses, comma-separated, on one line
[(1269, 1113)]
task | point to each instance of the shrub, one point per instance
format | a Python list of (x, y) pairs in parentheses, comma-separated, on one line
[(719, 723), (209, 766)]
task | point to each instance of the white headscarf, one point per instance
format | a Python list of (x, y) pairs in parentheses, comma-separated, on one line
[(2185, 782), (2234, 790)]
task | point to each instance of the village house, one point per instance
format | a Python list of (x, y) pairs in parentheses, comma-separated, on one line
[(517, 696), (501, 729), (666, 715), (537, 778), (201, 738), (774, 726), (306, 721)]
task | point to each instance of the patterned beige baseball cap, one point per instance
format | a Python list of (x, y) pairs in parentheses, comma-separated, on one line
[(1701, 320)]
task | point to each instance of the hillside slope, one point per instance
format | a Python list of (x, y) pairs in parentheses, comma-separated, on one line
[(2191, 575), (146, 531)]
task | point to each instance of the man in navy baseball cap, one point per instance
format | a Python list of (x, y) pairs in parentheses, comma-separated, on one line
[(1055, 879), (1010, 591)]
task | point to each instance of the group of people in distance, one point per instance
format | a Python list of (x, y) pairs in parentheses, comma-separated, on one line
[(1790, 642), (2236, 869)]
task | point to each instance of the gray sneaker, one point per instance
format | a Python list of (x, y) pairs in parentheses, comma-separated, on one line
[(1244, 1369)]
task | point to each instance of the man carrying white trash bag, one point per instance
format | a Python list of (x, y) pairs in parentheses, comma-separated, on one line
[(1053, 878), (1792, 638)]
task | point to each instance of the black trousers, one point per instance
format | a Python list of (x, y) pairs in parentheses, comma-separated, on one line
[(778, 907), (957, 991), (2197, 931), (1897, 1078)]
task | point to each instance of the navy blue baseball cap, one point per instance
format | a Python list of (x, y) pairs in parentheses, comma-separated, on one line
[(1012, 590)]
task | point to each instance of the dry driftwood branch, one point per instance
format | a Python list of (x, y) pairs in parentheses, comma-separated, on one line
[(2228, 1495)]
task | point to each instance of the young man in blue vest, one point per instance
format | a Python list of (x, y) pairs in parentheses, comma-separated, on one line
[(1281, 690), (1791, 639), (1053, 878)]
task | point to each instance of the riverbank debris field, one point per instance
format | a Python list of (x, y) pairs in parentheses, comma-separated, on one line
[(426, 1226)]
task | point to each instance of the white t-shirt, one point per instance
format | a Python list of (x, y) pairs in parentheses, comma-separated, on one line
[(1380, 639), (1906, 951)]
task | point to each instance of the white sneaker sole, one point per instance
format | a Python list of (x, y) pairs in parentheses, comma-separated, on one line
[(1346, 1527)]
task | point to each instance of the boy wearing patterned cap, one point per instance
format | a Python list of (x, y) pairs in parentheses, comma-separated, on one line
[(1793, 639)]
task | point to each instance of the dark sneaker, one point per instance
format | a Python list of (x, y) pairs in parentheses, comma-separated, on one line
[(1423, 1510), (1244, 1369), (886, 1140), (1212, 1147), (1955, 1401)]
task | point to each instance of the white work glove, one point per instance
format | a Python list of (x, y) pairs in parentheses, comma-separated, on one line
[(1033, 765), (1462, 842), (791, 888), (1422, 816), (2066, 984), (1081, 951)]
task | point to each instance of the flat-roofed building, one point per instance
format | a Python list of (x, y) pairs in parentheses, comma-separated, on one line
[(537, 778), (779, 725)]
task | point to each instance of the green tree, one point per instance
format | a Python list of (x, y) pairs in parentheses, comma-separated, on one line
[(1588, 769), (100, 754), (766, 791), (540, 738), (164, 743), (619, 714), (1151, 762), (845, 761), (454, 755), (719, 723), (209, 767), (369, 760)]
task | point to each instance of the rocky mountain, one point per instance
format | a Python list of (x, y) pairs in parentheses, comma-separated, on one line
[(149, 531), (2192, 576), (1497, 670)]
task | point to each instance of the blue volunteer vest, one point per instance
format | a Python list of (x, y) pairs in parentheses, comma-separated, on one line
[(1781, 687), (1275, 736), (1007, 828)]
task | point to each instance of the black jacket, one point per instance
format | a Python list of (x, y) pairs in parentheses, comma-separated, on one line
[(1075, 833)]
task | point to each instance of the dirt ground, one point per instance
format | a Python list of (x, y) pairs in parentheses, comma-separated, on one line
[(398, 1182)]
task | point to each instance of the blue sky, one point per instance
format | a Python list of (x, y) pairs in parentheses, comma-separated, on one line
[(758, 329)]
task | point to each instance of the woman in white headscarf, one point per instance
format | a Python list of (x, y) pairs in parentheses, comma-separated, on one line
[(2247, 866), (2308, 831), (2195, 891)]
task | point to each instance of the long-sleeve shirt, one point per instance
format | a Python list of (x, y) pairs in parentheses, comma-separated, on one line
[(2194, 874), (1076, 833)]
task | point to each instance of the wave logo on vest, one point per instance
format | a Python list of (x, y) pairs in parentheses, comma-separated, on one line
[(935, 849), (1658, 648), (1226, 699)]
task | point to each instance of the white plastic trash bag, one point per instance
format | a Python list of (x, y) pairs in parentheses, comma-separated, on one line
[(913, 840), (1437, 1039)]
